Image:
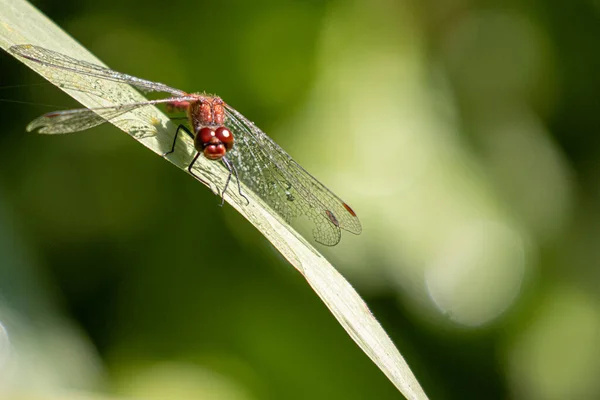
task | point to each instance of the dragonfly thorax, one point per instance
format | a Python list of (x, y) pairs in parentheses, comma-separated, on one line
[(206, 111)]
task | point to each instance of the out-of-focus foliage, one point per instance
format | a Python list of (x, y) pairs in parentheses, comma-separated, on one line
[(464, 134)]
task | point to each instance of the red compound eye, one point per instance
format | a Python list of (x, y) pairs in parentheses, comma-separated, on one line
[(225, 136), (204, 135)]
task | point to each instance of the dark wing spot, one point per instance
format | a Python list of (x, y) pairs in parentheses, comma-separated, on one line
[(350, 210), (332, 218)]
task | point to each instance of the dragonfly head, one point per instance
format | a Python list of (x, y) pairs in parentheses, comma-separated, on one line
[(214, 143)]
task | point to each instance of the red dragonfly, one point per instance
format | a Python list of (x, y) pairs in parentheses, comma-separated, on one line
[(220, 133)]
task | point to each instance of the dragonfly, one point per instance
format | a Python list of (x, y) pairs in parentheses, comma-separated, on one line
[(219, 133)]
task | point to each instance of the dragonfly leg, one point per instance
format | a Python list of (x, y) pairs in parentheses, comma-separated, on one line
[(224, 160), (191, 171), (231, 168), (179, 128)]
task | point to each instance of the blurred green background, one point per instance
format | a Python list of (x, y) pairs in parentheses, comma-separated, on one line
[(465, 135)]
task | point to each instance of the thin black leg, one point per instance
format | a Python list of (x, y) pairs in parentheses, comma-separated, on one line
[(191, 171), (233, 169), (224, 160), (186, 130)]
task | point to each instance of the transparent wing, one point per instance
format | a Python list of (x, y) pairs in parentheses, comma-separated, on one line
[(85, 118), (73, 66), (283, 184)]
